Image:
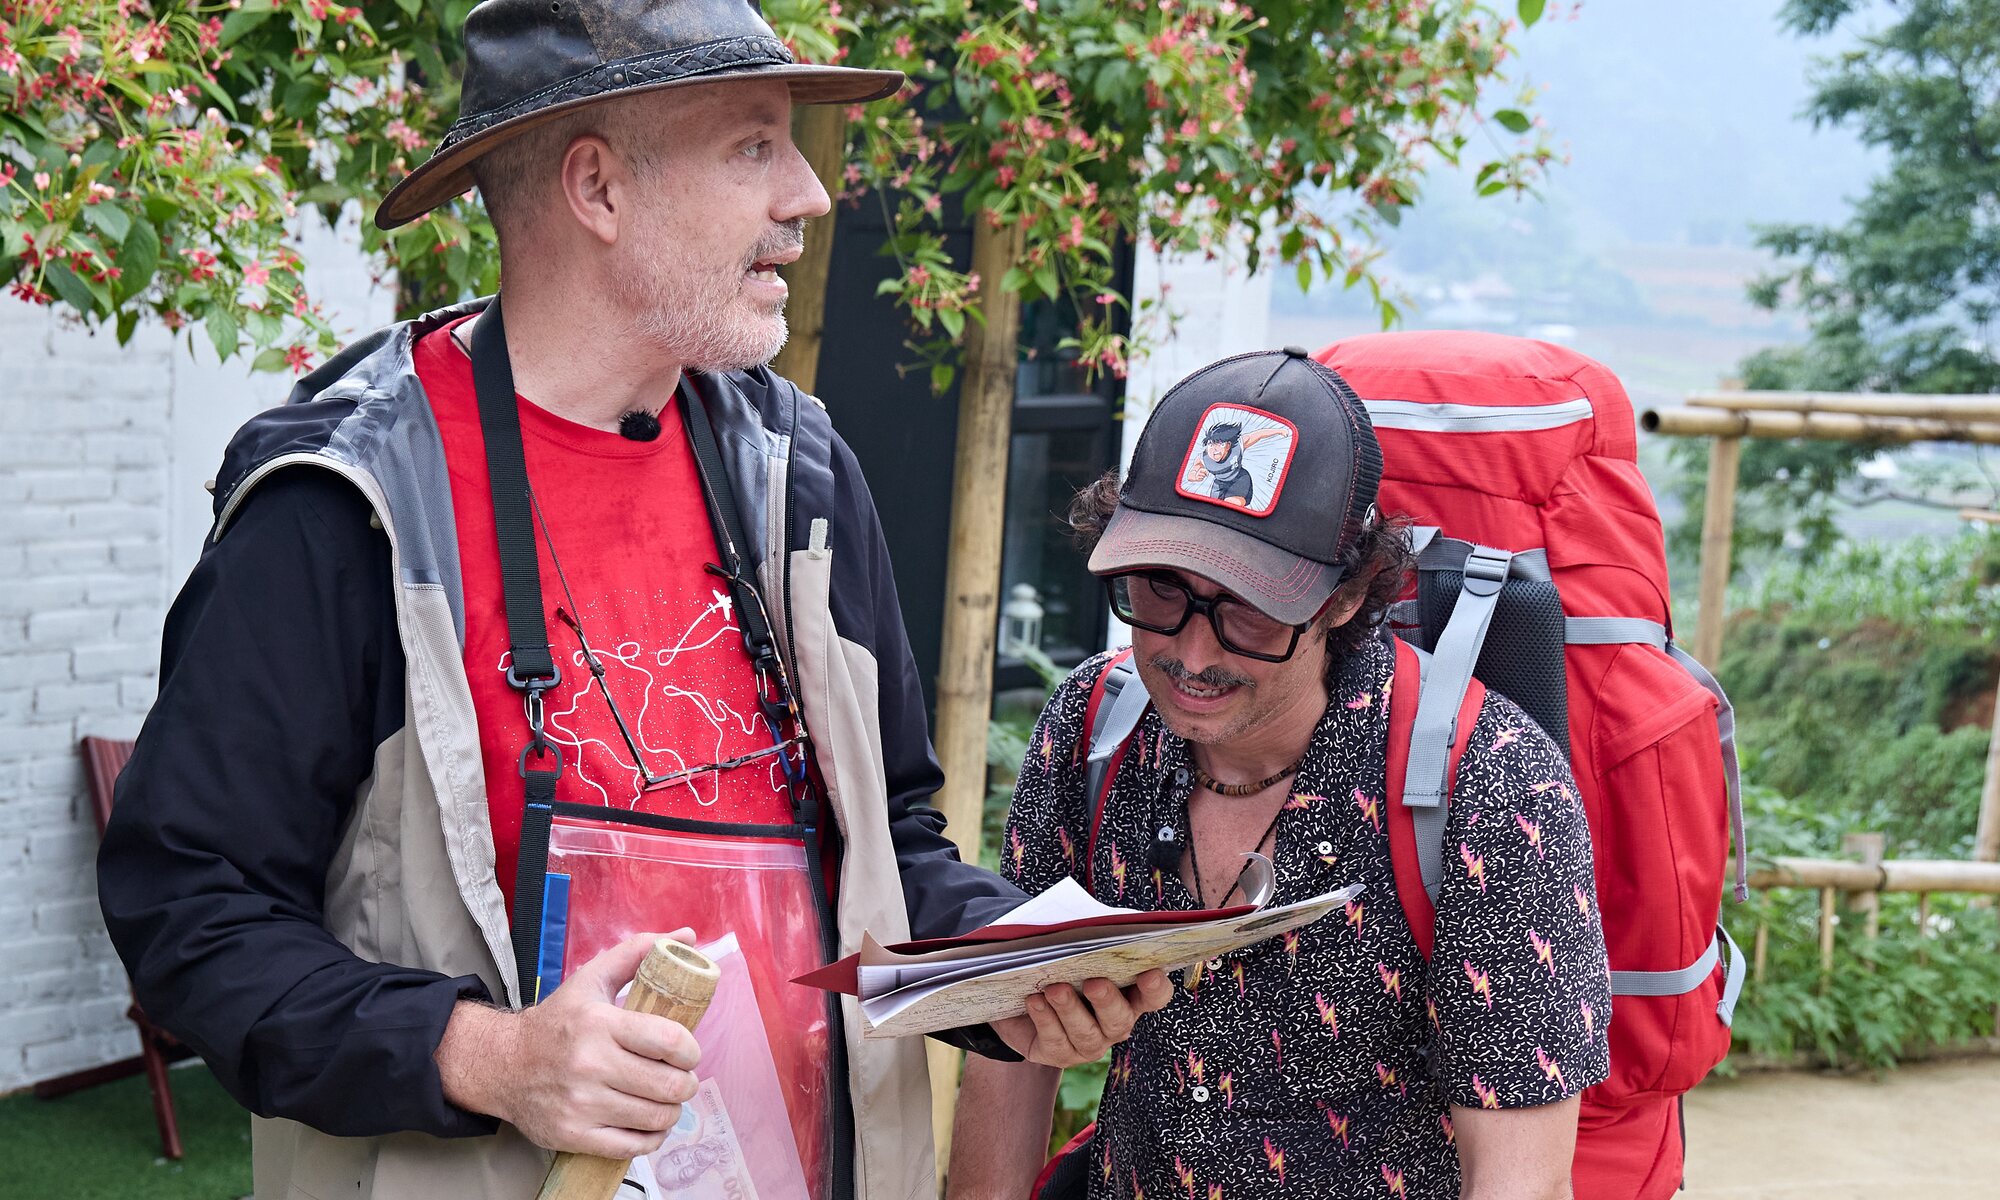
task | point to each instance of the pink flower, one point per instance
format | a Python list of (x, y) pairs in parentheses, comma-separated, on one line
[(41, 181), (256, 274), (298, 358)]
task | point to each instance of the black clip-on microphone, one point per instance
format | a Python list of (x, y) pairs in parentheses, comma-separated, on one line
[(639, 425)]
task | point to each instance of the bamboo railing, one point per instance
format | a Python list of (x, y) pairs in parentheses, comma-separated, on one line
[(1728, 417), (1862, 883)]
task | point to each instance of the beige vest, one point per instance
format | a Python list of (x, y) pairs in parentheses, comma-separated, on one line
[(414, 883)]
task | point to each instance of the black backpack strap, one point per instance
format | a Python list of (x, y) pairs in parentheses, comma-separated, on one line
[(774, 690), (532, 668)]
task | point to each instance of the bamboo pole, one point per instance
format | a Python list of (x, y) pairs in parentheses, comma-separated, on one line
[(1761, 948), (1981, 515), (1935, 408), (1866, 903), (1892, 875), (1718, 529), (1986, 842), (1836, 427), (972, 574), (820, 130), (1826, 919)]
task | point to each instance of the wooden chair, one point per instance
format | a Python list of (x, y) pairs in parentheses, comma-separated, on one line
[(103, 758)]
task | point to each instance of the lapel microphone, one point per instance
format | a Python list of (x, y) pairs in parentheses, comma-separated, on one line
[(639, 425), (1166, 850)]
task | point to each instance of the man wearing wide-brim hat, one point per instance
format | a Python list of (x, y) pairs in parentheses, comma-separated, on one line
[(581, 630)]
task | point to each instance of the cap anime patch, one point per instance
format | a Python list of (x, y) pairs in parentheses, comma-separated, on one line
[(1239, 457)]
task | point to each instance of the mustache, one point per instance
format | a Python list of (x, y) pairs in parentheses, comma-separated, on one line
[(1207, 677), (791, 235)]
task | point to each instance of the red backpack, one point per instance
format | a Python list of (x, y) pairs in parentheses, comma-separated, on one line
[(1542, 573)]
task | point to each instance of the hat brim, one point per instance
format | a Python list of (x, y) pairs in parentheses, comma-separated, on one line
[(448, 172), (1278, 583)]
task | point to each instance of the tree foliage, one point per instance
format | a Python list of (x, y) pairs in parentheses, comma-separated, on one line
[(154, 157), (1902, 295), (1202, 126), (155, 154)]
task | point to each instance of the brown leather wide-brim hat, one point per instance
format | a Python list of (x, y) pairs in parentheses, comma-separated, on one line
[(530, 61)]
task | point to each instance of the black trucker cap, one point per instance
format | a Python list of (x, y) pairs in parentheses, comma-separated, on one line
[(1255, 473)]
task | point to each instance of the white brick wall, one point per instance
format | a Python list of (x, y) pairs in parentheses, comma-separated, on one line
[(103, 452)]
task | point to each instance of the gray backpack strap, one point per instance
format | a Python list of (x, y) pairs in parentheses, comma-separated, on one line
[(1442, 692), (1118, 713), (1688, 978), (1450, 554), (1725, 725), (1606, 631)]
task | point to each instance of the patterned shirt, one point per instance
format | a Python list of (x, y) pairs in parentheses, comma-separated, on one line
[(1329, 1056)]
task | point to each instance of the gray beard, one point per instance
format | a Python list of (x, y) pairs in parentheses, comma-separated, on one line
[(698, 333)]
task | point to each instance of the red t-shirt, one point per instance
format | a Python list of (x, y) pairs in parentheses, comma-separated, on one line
[(632, 533)]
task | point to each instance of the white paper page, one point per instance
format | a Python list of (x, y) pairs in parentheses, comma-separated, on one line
[(1066, 901), (881, 980), (981, 996)]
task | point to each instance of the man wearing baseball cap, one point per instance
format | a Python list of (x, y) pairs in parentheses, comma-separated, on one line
[(519, 639), (1338, 1059)]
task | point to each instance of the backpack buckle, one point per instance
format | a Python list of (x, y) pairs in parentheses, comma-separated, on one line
[(1486, 570)]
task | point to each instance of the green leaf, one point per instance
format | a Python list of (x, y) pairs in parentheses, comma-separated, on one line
[(1530, 10), (127, 322), (1305, 273), (242, 21), (71, 288), (216, 94), (941, 377), (137, 259), (953, 321), (222, 332), (272, 359), (110, 220), (1513, 120)]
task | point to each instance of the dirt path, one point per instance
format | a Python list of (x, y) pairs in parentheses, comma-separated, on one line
[(1930, 1131)]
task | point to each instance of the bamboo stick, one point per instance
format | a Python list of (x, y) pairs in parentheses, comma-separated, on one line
[(1718, 530), (676, 982), (1879, 404), (1826, 919), (821, 133), (972, 570), (1836, 427), (1983, 516)]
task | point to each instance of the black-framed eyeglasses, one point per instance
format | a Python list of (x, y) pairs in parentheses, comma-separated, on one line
[(1163, 604)]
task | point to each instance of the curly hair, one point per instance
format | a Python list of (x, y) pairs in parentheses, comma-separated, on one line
[(1378, 562)]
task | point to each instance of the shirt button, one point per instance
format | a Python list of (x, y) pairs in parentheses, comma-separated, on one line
[(1326, 847), (1215, 964), (1200, 1094), (1180, 776), (1166, 835)]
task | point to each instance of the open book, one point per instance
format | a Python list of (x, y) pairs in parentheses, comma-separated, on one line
[(1063, 935)]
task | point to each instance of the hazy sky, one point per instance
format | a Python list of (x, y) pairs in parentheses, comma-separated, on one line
[(1681, 119)]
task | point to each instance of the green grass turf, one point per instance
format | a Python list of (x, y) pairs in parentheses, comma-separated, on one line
[(102, 1144)]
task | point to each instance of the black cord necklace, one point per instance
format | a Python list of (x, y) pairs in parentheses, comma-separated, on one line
[(1233, 789)]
